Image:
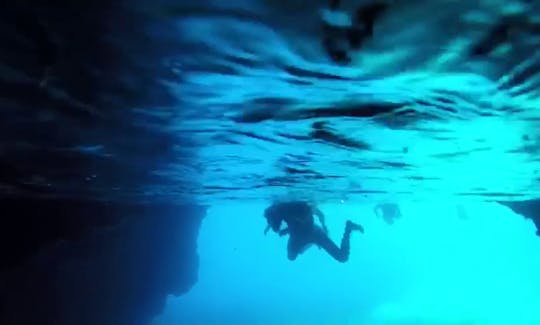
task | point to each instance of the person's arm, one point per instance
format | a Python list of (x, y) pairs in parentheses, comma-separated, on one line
[(320, 215), (275, 226), (283, 232)]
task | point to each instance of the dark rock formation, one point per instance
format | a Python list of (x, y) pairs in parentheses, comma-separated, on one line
[(529, 209), (83, 262), (71, 75)]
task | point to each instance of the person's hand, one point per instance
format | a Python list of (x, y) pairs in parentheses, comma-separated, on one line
[(266, 229)]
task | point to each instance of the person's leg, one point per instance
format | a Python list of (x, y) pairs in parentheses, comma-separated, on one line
[(320, 238), (296, 245), (340, 254)]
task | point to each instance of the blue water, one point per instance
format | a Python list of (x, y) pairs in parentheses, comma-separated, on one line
[(255, 82), (248, 107), (440, 263), (276, 119), (266, 87)]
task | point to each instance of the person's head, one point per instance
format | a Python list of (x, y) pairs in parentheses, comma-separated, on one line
[(272, 218)]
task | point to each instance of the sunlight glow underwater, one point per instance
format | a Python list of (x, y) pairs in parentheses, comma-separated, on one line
[(476, 263)]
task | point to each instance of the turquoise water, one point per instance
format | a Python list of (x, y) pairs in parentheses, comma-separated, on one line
[(441, 263), (278, 120), (256, 87), (233, 104)]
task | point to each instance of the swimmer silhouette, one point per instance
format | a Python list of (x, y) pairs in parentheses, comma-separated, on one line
[(303, 232), (388, 211)]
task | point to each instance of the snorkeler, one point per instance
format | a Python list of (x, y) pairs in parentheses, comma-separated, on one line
[(303, 232), (388, 211)]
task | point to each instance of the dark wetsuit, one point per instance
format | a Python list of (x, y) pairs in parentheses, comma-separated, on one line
[(303, 232)]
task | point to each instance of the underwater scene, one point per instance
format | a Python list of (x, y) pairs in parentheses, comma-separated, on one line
[(270, 162)]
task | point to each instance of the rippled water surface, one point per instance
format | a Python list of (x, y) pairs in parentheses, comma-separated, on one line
[(416, 111), (441, 99)]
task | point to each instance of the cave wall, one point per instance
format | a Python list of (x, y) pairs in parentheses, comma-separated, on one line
[(112, 264), (73, 78), (529, 209)]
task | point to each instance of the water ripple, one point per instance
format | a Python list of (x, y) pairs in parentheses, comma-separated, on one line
[(419, 111), (434, 98)]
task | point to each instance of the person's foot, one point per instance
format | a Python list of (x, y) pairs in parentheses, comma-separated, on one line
[(350, 226)]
